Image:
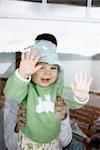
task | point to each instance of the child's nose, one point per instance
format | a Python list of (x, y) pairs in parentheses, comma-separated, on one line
[(47, 71)]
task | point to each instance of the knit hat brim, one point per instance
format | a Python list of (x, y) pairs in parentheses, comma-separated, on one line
[(47, 52)]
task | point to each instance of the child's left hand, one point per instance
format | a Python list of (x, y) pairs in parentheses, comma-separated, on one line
[(81, 86), (60, 108)]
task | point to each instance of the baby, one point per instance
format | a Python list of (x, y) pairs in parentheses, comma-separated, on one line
[(36, 84)]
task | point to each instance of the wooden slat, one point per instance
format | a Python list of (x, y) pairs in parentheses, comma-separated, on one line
[(86, 117)]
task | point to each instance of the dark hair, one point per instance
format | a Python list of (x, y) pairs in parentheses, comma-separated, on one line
[(48, 37)]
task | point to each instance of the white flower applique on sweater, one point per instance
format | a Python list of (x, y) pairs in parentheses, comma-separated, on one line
[(45, 105)]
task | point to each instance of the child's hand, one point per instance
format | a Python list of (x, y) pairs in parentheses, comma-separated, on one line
[(28, 64), (21, 118), (1, 102), (81, 86), (60, 108)]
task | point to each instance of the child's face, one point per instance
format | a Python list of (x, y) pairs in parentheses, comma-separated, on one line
[(47, 75)]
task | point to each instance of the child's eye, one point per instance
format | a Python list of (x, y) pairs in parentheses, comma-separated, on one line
[(53, 68), (42, 68)]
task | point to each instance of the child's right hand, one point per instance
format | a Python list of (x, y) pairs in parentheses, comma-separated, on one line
[(28, 65), (21, 118)]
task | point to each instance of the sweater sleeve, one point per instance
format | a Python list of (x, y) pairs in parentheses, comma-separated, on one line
[(10, 114), (16, 88)]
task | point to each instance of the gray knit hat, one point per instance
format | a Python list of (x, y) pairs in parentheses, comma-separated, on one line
[(47, 51)]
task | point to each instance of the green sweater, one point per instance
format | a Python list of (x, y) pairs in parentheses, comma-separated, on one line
[(42, 124)]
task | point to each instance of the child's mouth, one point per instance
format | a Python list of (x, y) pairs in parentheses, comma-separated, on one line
[(45, 80)]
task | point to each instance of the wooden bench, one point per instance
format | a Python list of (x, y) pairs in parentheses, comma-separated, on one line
[(86, 116)]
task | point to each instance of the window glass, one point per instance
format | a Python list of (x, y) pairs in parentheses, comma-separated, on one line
[(96, 3), (31, 0), (70, 2), (95, 10), (7, 64)]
